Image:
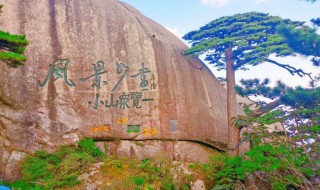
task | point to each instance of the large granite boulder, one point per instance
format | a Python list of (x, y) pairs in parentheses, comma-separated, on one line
[(99, 68)]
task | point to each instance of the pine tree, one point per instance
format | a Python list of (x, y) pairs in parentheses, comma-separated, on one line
[(233, 42)]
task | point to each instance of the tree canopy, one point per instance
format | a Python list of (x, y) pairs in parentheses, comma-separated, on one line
[(303, 40), (12, 48), (253, 36)]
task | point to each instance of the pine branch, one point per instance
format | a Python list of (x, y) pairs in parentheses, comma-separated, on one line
[(267, 108), (292, 70)]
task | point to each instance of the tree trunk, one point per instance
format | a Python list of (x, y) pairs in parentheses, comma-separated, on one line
[(233, 132)]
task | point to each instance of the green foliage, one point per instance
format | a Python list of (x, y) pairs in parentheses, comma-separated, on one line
[(155, 173), (12, 47), (230, 174), (146, 165), (11, 56), (257, 87), (24, 185), (113, 163), (253, 35), (302, 40), (167, 186), (286, 158), (302, 103), (215, 164), (44, 170), (35, 168), (19, 40), (281, 160), (139, 181), (281, 166), (270, 117), (87, 145), (302, 97)]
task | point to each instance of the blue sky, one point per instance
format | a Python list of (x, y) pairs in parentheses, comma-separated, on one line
[(183, 16)]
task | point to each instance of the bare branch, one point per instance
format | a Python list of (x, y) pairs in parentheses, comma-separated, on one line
[(290, 69)]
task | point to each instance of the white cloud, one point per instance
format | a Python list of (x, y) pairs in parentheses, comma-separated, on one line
[(261, 1), (179, 33), (175, 31), (220, 3)]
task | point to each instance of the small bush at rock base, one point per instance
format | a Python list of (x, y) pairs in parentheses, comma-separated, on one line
[(44, 170)]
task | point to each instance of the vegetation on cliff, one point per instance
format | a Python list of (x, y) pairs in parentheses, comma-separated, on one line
[(12, 47), (44, 170), (286, 158), (74, 167)]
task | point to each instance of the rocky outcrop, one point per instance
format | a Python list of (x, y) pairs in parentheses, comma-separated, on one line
[(184, 151), (198, 185), (99, 68)]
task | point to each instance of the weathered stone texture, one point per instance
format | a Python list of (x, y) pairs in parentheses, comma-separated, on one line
[(176, 150), (184, 100)]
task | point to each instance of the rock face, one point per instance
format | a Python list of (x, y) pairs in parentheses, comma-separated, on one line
[(99, 68), (198, 185), (183, 151)]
